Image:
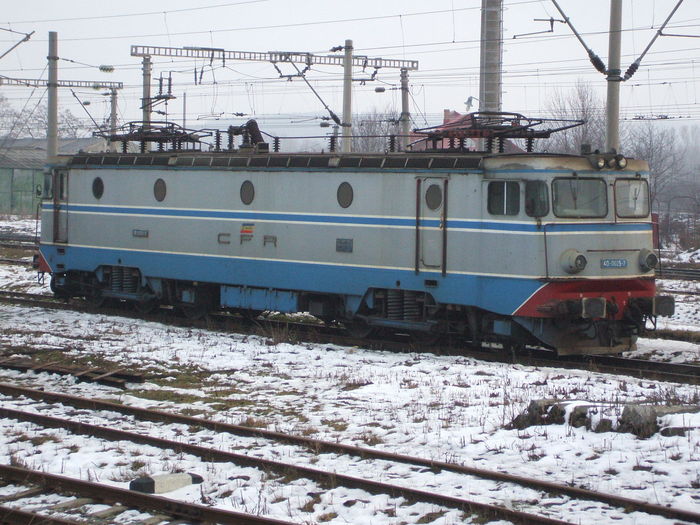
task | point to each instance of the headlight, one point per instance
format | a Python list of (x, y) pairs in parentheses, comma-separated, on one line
[(647, 260), (612, 163), (621, 161), (600, 163), (573, 261)]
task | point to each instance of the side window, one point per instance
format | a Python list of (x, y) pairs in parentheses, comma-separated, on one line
[(48, 189), (159, 190), (63, 186), (98, 188), (504, 198), (247, 192), (536, 198), (345, 195)]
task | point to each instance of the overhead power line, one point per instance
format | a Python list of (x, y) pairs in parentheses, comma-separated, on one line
[(146, 13)]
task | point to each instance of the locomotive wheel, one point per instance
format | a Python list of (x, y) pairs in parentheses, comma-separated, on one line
[(146, 306), (96, 299), (359, 328), (426, 338), (193, 311)]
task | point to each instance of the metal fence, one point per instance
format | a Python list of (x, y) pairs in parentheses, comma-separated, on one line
[(18, 190)]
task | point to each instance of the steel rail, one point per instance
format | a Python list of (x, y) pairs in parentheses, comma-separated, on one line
[(685, 274), (129, 498), (12, 516), (324, 478), (637, 368), (319, 446)]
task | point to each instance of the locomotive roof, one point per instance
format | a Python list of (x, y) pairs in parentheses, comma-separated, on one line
[(239, 159)]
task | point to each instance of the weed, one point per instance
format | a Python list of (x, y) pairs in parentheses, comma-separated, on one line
[(338, 426), (309, 505), (431, 517), (40, 440)]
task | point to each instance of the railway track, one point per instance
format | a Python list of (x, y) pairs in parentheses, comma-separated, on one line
[(317, 447), (685, 274), (88, 493), (19, 241), (637, 368)]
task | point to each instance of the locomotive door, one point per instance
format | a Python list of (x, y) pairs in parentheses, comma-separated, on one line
[(60, 206), (431, 224)]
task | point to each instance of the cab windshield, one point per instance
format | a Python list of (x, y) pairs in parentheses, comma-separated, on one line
[(579, 198), (631, 198)]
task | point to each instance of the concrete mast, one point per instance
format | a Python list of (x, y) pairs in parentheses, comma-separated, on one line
[(113, 117), (405, 118), (146, 100), (347, 98), (490, 82), (613, 76), (52, 124)]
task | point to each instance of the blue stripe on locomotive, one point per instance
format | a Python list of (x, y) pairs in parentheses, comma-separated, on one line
[(352, 219), (498, 294)]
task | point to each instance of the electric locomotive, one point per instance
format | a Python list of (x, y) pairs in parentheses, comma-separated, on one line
[(513, 248)]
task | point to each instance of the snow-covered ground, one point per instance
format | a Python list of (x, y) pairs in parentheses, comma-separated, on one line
[(442, 407)]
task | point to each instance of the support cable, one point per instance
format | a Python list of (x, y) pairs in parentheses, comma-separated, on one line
[(595, 59), (330, 111), (635, 65)]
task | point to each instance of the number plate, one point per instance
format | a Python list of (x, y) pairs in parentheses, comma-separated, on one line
[(613, 263)]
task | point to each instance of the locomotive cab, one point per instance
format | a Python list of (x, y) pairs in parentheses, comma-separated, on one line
[(596, 256)]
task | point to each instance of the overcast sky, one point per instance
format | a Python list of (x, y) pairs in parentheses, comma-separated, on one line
[(443, 35)]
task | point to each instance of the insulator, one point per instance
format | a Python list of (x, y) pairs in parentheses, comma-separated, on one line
[(489, 144), (392, 143), (142, 146), (276, 144), (529, 145), (217, 141), (411, 308), (161, 146), (501, 144), (332, 142), (631, 70), (394, 304), (230, 139), (125, 146), (451, 143)]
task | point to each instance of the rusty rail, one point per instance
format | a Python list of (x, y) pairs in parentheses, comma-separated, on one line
[(324, 478), (100, 492), (319, 446)]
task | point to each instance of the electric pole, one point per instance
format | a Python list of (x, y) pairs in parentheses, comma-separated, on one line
[(347, 98), (112, 117), (613, 77), (347, 61), (52, 120), (491, 56)]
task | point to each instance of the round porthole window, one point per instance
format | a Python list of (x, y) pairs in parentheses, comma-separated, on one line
[(159, 190), (247, 192), (433, 196), (98, 187), (345, 195)]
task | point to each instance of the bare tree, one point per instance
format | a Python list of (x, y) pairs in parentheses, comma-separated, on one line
[(662, 149), (580, 103), (371, 130), (69, 126), (8, 119), (33, 121)]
